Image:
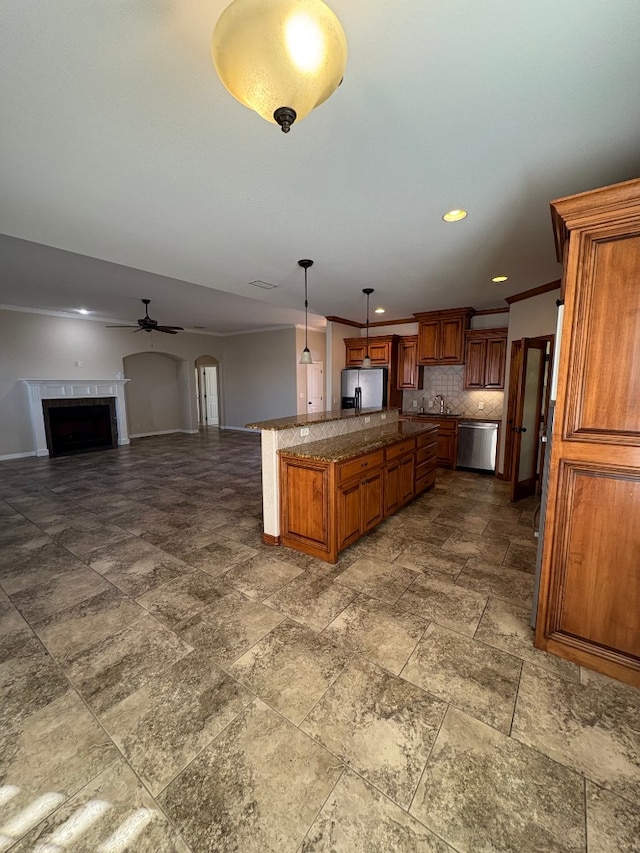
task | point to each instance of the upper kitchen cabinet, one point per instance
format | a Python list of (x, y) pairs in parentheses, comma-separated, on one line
[(589, 602), (485, 356), (441, 335), (382, 350), (410, 374)]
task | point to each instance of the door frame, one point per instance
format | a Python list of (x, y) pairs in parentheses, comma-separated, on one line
[(515, 406)]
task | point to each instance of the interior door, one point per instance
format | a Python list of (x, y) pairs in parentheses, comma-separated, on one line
[(528, 417), (210, 402), (315, 387)]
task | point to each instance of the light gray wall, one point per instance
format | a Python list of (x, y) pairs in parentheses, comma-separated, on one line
[(153, 395), (259, 376), (528, 318), (39, 346)]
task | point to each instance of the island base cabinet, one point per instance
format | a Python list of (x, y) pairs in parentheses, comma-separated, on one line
[(327, 506)]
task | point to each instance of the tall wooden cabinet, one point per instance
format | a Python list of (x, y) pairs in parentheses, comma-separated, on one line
[(589, 603)]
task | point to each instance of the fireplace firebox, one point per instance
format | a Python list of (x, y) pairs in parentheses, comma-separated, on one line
[(80, 425)]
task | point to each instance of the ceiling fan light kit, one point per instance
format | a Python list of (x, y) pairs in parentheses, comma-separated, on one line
[(280, 58), (146, 324)]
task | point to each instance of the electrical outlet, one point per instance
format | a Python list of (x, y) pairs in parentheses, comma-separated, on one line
[(302, 395), (79, 363), (304, 431), (415, 404), (335, 401), (481, 405), (366, 420), (383, 417)]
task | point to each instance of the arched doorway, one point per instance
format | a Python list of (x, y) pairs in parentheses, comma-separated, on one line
[(208, 391)]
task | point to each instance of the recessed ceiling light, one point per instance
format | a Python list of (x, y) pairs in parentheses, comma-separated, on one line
[(499, 278), (455, 215), (82, 310), (379, 311)]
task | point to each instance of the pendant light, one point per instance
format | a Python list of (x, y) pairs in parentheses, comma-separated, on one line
[(280, 58), (306, 352), (366, 362)]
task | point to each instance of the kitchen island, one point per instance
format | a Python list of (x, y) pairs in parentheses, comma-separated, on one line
[(334, 490), (295, 430)]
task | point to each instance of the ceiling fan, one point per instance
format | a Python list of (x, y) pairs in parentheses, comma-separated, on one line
[(146, 324)]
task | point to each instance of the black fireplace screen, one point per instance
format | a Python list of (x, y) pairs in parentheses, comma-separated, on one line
[(77, 426)]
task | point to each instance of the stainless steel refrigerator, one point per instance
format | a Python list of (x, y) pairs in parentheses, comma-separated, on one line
[(364, 388)]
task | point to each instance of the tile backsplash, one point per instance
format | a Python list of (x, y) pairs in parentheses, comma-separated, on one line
[(449, 382)]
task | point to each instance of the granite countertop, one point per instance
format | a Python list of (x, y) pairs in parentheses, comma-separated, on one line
[(343, 447), (314, 418)]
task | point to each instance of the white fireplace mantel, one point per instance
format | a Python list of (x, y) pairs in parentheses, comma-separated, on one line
[(56, 389)]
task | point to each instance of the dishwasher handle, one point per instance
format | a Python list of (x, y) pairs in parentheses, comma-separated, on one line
[(474, 425)]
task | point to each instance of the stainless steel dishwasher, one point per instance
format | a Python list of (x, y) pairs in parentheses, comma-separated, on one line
[(477, 445)]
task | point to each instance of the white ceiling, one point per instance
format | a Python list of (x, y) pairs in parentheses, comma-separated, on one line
[(119, 143)]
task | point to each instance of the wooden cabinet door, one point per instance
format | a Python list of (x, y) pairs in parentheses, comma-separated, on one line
[(349, 513), (372, 499), (379, 353), (495, 363), (451, 341), (406, 479), (447, 448), (392, 487), (428, 341), (408, 363), (355, 353), (475, 364)]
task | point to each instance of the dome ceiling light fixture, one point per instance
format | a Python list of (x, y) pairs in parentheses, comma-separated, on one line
[(280, 58), (305, 358)]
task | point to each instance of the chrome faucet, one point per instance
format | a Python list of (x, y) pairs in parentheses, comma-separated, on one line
[(441, 398)]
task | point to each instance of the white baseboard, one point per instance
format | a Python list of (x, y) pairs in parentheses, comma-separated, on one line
[(163, 432), (7, 456)]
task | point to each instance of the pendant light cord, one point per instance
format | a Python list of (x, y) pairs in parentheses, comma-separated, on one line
[(306, 304), (367, 325)]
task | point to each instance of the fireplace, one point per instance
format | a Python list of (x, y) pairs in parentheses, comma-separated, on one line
[(77, 426), (89, 415)]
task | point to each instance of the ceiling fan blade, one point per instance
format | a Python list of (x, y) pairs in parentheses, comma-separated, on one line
[(141, 329), (179, 328), (166, 329)]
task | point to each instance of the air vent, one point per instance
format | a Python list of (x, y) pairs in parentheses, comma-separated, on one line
[(263, 284)]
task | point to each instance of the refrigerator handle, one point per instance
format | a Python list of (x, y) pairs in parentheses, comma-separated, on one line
[(358, 397)]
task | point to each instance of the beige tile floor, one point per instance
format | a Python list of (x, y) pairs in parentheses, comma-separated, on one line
[(171, 684)]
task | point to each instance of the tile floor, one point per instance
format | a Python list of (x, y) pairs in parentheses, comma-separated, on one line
[(171, 684)]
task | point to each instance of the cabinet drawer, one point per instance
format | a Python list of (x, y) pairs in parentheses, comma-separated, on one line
[(427, 453), (348, 470), (400, 448), (448, 425), (425, 467), (425, 482), (425, 439)]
